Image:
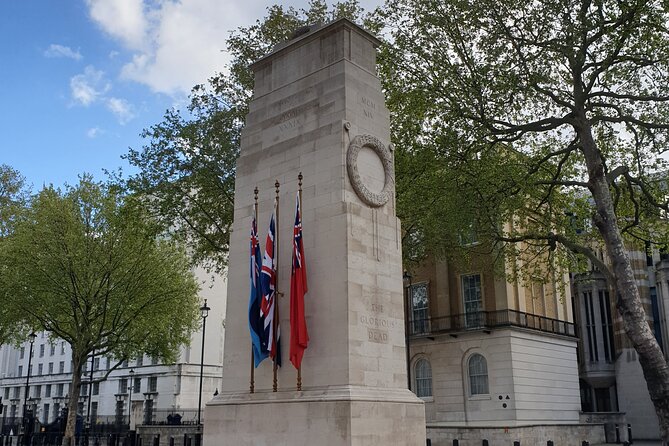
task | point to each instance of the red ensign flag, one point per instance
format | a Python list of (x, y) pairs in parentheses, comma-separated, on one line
[(299, 338)]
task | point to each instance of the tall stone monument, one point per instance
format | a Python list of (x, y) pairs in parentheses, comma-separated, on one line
[(318, 109)]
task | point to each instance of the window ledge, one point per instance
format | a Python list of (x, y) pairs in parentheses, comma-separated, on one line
[(481, 397), (427, 399)]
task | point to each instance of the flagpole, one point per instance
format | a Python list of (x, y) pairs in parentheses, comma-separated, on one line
[(252, 383), (275, 320), (299, 194)]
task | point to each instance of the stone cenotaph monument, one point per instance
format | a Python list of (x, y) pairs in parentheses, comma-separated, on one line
[(318, 109)]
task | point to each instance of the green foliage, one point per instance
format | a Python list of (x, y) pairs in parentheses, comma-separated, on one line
[(87, 267), (496, 99), (13, 195), (187, 169)]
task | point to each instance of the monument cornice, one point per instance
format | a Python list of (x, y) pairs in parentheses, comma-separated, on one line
[(310, 36)]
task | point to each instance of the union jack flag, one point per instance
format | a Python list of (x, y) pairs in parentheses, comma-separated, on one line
[(268, 280), (256, 320)]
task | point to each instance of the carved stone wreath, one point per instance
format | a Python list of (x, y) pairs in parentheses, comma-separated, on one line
[(369, 197)]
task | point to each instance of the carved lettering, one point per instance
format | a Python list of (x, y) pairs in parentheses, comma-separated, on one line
[(289, 124), (367, 114), (378, 336), (373, 321), (290, 114), (368, 102), (377, 308)]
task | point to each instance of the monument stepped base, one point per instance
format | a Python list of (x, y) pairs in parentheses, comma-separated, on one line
[(333, 416)]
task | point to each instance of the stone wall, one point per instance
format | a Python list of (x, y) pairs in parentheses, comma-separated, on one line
[(562, 435), (146, 435)]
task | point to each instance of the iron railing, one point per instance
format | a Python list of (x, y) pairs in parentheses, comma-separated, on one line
[(171, 417), (487, 320)]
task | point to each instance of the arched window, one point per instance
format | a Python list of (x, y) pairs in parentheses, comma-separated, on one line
[(423, 374), (478, 375)]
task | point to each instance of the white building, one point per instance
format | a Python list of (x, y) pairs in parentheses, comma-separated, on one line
[(155, 387)]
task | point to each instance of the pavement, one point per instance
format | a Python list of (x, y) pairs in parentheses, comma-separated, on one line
[(636, 443)]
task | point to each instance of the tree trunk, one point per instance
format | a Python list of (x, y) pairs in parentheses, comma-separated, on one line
[(73, 394), (629, 304)]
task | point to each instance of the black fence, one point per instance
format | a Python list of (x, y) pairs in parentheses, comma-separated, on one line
[(56, 439), (487, 320), (125, 439), (171, 417)]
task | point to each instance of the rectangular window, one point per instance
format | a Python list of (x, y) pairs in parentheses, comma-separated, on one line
[(47, 391), (468, 236), (83, 390), (607, 326), (56, 410), (20, 370), (38, 391), (140, 361), (60, 390), (50, 368), (137, 385), (41, 350), (52, 350), (61, 367), (154, 361), (418, 295), (17, 392), (62, 348), (45, 414), (473, 303), (123, 385), (590, 327), (22, 353), (40, 368), (153, 384), (94, 411), (12, 412), (657, 325), (148, 411), (120, 406), (96, 388), (6, 393), (96, 364)]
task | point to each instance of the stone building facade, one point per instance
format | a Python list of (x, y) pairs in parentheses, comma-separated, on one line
[(611, 379), (154, 387), (491, 356)]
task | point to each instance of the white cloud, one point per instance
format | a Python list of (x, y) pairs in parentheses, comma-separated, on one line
[(94, 132), (177, 44), (56, 50), (121, 108), (174, 44), (89, 86), (123, 19)]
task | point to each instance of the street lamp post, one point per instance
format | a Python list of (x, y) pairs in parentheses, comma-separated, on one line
[(130, 385), (87, 428), (31, 337), (407, 277), (204, 312)]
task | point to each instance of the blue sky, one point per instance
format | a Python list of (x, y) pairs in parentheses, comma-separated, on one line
[(80, 79)]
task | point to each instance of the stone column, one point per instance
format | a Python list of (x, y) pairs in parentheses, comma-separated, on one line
[(318, 109)]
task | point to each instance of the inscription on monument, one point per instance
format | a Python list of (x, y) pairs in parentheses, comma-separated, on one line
[(368, 107), (377, 326), (378, 336), (293, 118)]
